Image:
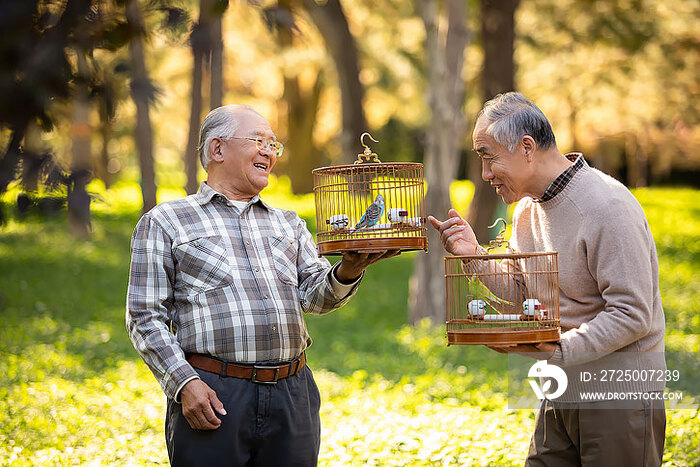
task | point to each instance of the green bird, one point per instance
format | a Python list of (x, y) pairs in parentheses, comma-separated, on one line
[(477, 289)]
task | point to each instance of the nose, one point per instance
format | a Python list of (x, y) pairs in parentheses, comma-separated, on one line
[(486, 174), (270, 154), (267, 151)]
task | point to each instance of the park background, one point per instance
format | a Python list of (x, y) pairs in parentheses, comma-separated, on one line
[(100, 103)]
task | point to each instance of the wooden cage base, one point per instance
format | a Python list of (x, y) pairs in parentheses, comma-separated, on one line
[(370, 245), (501, 336)]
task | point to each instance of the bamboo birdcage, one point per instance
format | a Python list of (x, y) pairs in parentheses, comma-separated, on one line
[(344, 193), (499, 299)]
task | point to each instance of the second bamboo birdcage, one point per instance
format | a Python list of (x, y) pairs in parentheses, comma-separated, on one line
[(500, 299), (370, 206)]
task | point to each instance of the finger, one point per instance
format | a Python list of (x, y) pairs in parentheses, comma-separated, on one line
[(198, 421), (452, 241), (202, 423), (192, 421), (205, 410), (498, 349), (210, 421), (392, 253), (389, 253), (354, 257), (521, 348), (454, 213), (451, 222), (374, 257), (349, 255), (434, 222), (455, 229), (216, 404)]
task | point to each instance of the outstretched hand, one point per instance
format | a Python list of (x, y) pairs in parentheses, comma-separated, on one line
[(354, 263), (456, 234), (199, 402)]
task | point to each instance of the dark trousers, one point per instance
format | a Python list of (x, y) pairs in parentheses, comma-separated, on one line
[(265, 425), (594, 435)]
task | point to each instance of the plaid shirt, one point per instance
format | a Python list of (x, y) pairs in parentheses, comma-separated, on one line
[(563, 179), (209, 278)]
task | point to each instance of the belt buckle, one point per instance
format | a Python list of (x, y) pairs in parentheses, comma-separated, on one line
[(255, 380)]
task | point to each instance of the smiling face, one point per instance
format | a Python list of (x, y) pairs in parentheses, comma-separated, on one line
[(238, 167), (508, 172)]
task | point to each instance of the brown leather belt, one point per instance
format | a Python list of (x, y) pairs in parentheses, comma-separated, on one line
[(261, 374)]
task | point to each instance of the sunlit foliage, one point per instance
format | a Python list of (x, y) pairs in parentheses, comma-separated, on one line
[(73, 390)]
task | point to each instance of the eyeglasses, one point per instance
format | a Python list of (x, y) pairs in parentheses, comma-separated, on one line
[(263, 144)]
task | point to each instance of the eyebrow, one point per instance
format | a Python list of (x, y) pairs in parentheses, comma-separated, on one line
[(261, 134)]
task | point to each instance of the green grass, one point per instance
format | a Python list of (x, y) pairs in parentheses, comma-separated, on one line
[(73, 390)]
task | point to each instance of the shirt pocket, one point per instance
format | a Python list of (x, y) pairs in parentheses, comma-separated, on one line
[(203, 264), (284, 257)]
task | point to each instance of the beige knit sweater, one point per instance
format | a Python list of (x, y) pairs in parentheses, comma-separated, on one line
[(608, 269)]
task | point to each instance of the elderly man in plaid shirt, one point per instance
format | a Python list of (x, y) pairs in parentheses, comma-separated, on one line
[(217, 286)]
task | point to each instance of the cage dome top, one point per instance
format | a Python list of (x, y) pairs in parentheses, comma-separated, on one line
[(367, 157)]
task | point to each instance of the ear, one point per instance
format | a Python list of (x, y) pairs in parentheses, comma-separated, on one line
[(529, 147), (215, 149)]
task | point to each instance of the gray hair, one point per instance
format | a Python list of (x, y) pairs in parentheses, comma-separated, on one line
[(512, 116), (220, 122)]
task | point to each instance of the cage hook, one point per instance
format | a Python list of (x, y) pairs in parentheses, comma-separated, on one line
[(499, 240), (368, 157), (362, 137)]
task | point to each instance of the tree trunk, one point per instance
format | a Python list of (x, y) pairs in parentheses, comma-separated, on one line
[(199, 43), (304, 156), (102, 166), (301, 155), (106, 105), (447, 129), (217, 58), (31, 158), (207, 52), (497, 33), (573, 118), (637, 161), (81, 132), (191, 157), (331, 22), (142, 92), (11, 159)]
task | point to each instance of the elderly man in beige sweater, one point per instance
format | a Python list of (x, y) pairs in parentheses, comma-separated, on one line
[(610, 305)]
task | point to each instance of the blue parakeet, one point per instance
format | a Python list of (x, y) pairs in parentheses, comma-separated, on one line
[(373, 213)]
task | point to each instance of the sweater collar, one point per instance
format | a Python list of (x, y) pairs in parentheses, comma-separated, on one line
[(558, 185)]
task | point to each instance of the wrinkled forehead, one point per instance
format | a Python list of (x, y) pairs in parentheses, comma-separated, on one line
[(479, 135), (253, 124), (481, 126)]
